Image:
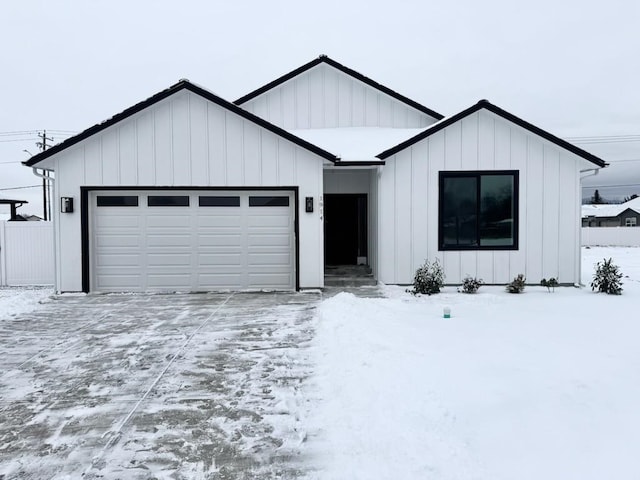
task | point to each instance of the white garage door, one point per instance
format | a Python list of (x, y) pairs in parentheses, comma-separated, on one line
[(191, 240)]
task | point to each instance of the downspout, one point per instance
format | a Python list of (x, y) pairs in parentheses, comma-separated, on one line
[(41, 175), (55, 230), (589, 172)]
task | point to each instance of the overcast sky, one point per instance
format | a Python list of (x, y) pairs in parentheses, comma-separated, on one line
[(569, 67)]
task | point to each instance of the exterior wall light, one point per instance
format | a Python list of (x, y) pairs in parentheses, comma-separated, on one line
[(66, 204)]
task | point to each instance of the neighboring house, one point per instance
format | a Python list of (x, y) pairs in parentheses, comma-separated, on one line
[(186, 191), (625, 214), (28, 218), (13, 205)]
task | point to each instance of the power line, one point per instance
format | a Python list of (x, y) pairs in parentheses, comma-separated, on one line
[(18, 132), (30, 139), (19, 188), (612, 186), (606, 137), (6, 136), (604, 140)]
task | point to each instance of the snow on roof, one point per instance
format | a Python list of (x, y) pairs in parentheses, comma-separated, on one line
[(357, 143), (610, 210)]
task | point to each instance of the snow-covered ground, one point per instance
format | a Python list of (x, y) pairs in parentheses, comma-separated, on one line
[(530, 386), (14, 301)]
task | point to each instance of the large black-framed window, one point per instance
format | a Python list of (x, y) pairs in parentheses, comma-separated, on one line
[(478, 210)]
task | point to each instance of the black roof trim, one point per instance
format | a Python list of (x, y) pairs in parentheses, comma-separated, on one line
[(181, 85), (346, 70), (502, 113), (356, 163)]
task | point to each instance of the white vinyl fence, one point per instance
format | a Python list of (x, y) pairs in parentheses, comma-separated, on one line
[(611, 236), (26, 253)]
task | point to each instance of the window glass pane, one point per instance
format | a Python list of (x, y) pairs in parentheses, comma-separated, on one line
[(117, 201), (268, 201), (496, 210), (219, 201), (460, 211), (168, 201)]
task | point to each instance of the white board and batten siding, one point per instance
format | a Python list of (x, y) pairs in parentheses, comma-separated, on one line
[(26, 253), (325, 97), (181, 141), (548, 210)]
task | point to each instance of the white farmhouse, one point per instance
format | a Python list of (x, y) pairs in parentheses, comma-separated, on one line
[(186, 191)]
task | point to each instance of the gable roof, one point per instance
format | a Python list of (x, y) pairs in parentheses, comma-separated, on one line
[(485, 104), (181, 85), (611, 210), (345, 70)]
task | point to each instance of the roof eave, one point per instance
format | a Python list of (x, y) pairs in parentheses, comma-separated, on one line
[(182, 84), (346, 70), (502, 113), (356, 163)]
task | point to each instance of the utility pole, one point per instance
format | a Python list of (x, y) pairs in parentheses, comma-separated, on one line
[(46, 195)]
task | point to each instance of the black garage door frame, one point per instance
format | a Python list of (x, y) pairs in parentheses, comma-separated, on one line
[(84, 218)]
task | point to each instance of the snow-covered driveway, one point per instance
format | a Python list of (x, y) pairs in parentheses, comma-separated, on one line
[(155, 386)]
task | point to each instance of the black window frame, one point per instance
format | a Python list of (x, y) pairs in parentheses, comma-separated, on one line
[(268, 201), (478, 174), (163, 201), (218, 201), (119, 201)]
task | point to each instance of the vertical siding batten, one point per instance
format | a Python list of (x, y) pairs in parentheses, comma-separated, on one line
[(551, 208), (502, 161), (325, 97)]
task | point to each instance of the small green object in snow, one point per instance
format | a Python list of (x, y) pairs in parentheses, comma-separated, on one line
[(447, 312)]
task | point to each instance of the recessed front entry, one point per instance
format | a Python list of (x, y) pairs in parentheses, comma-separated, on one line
[(345, 229)]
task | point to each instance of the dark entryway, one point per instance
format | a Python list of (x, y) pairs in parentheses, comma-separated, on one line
[(345, 228)]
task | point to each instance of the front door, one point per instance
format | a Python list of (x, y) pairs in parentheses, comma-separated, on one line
[(345, 228)]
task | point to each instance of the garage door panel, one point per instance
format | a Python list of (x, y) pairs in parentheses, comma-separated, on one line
[(176, 259), (231, 251), (181, 282), (270, 280), (221, 280), (264, 240), (208, 245), (164, 222), (107, 241), (167, 240), (116, 220), (219, 240), (221, 220), (119, 281), (269, 221), (269, 259), (219, 259), (119, 260)]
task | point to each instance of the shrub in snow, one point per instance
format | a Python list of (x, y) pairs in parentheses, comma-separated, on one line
[(517, 286), (471, 285), (607, 278), (551, 284), (429, 278)]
